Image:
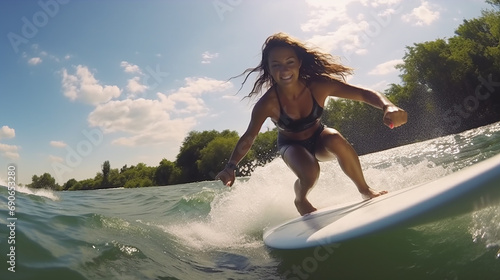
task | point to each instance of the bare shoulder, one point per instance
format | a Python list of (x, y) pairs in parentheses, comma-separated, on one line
[(326, 87), (267, 105), (336, 88), (263, 109), (321, 90)]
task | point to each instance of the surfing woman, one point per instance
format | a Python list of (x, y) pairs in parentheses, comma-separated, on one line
[(300, 80)]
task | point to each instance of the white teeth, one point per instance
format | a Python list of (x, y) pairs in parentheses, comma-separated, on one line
[(286, 78)]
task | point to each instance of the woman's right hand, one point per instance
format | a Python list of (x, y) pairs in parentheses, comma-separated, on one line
[(227, 176)]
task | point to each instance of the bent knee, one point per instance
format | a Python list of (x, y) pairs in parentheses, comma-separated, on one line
[(335, 142), (303, 164), (335, 138), (332, 144)]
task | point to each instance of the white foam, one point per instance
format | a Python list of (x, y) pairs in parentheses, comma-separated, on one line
[(485, 226), (239, 215), (38, 192)]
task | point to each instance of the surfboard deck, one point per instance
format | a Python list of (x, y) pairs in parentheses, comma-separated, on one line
[(469, 189)]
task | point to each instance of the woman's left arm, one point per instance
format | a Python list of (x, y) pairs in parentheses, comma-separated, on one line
[(393, 115)]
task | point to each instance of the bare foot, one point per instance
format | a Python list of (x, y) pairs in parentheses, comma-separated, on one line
[(304, 207), (371, 193)]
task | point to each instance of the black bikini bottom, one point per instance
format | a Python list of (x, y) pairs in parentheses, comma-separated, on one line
[(309, 144)]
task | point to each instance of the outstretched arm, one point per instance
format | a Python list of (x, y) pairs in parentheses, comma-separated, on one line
[(393, 115), (227, 176)]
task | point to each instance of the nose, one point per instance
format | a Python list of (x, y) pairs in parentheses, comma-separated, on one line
[(284, 68)]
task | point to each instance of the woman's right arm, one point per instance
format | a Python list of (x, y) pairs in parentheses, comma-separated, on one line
[(259, 115)]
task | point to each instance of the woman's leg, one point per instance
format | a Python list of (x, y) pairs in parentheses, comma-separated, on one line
[(332, 144), (306, 168)]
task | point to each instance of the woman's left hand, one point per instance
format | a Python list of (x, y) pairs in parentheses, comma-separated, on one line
[(394, 116)]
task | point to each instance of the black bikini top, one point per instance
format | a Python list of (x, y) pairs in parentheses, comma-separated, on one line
[(285, 123)]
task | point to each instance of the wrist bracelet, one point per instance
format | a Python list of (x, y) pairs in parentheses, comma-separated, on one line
[(231, 166)]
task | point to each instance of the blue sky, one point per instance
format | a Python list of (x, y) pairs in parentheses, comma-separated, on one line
[(82, 82)]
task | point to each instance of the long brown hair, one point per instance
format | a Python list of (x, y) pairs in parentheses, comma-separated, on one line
[(316, 65)]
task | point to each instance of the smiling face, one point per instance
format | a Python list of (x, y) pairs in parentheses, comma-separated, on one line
[(284, 65)]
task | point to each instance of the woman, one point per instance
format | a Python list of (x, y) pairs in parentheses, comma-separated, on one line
[(300, 80)]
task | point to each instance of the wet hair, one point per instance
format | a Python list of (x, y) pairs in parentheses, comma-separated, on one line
[(316, 65)]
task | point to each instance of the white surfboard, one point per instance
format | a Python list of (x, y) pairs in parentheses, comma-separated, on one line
[(469, 189)]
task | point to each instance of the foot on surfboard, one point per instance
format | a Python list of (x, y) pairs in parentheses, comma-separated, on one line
[(304, 207), (371, 193)]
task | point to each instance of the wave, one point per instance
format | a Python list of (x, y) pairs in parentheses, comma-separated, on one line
[(237, 216), (195, 204), (485, 227), (36, 192)]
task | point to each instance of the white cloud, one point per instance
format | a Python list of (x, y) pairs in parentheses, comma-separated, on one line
[(189, 96), (9, 151), (380, 86), (7, 132), (134, 85), (130, 68), (55, 158), (385, 68), (58, 144), (144, 121), (378, 3), (83, 86), (35, 61), (347, 39), (336, 28), (207, 57), (156, 121), (323, 13), (422, 15)]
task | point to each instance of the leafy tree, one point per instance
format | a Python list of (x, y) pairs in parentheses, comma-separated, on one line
[(45, 181), (69, 184), (138, 183), (165, 173), (116, 179), (106, 167), (265, 147), (75, 187), (123, 169), (190, 153), (87, 184), (357, 122), (494, 3), (215, 155)]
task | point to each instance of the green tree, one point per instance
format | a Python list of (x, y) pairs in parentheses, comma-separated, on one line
[(265, 147), (189, 154), (359, 123), (165, 173), (215, 155), (138, 183), (45, 181), (106, 167), (86, 184), (494, 3), (444, 78), (69, 184), (115, 178)]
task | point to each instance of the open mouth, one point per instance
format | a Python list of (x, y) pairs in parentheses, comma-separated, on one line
[(286, 78)]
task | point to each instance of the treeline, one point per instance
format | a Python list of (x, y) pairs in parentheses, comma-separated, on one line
[(202, 155), (448, 86)]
